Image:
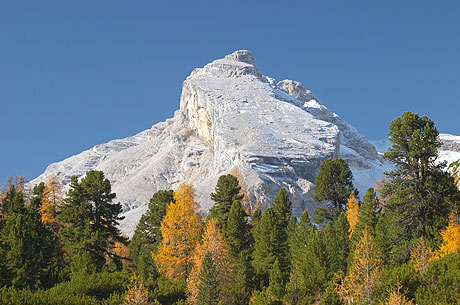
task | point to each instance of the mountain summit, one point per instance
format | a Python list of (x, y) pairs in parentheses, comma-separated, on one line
[(231, 116)]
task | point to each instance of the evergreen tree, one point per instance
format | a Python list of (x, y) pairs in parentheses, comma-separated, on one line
[(226, 192), (91, 217), (147, 235), (334, 184), (31, 252), (277, 282), (419, 191), (267, 242), (236, 230), (282, 208), (208, 288)]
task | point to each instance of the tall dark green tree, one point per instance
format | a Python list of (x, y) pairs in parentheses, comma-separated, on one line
[(237, 230), (419, 191), (282, 209), (334, 184), (147, 235), (267, 245), (226, 192), (208, 288), (91, 217), (367, 217), (31, 252)]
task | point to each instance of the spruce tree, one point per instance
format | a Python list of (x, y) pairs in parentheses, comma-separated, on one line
[(334, 184), (226, 192), (208, 288)]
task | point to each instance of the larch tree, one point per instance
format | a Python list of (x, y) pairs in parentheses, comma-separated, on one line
[(180, 231), (450, 238), (421, 255), (352, 213), (363, 276), (51, 199), (213, 243)]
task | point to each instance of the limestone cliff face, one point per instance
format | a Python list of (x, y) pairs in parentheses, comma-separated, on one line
[(231, 116)]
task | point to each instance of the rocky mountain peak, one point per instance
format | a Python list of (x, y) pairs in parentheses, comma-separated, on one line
[(242, 56)]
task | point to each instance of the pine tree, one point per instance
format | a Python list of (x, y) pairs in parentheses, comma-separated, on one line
[(367, 217), (180, 231), (276, 287), (419, 190), (226, 192), (267, 245), (282, 208), (352, 213), (236, 230), (91, 218), (334, 183), (213, 243), (31, 251), (147, 235), (208, 287)]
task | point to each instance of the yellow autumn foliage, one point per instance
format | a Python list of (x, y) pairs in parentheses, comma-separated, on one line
[(180, 231), (352, 213), (450, 238), (214, 242), (421, 255), (51, 197)]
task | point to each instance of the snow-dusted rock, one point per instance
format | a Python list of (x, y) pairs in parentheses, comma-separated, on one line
[(231, 117)]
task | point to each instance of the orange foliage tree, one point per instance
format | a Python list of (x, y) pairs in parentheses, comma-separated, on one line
[(450, 238), (360, 284), (395, 297), (51, 198), (421, 255), (180, 231), (352, 213), (214, 243)]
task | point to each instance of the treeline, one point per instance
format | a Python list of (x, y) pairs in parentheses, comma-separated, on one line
[(400, 244)]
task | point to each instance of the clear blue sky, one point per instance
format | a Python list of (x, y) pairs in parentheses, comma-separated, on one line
[(78, 73)]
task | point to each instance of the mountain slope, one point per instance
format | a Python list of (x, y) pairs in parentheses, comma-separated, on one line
[(231, 116)]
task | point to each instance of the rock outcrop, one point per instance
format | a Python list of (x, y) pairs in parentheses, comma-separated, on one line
[(231, 116)]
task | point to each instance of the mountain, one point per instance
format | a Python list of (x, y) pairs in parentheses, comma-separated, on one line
[(231, 117)]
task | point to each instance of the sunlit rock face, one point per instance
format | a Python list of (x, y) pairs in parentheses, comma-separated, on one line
[(231, 116)]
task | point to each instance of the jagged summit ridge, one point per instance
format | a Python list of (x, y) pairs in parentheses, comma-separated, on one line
[(231, 116)]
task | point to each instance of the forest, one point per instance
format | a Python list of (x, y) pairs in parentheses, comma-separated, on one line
[(399, 243)]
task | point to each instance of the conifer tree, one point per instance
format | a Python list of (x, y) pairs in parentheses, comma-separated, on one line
[(361, 282), (236, 230), (276, 287), (282, 209), (419, 190), (352, 213), (226, 192), (421, 255), (51, 199), (208, 287), (147, 235), (213, 243), (91, 218), (180, 231), (367, 217), (31, 251), (450, 238), (334, 184), (267, 245)]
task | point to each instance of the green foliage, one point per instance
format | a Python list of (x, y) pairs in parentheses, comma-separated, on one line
[(330, 295), (236, 230), (334, 183), (168, 292), (277, 284), (441, 283), (403, 276), (226, 192), (30, 251), (147, 235), (243, 279), (267, 246), (96, 289), (419, 192), (208, 288), (91, 218)]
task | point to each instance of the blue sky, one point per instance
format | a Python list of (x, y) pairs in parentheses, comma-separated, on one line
[(78, 73)]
